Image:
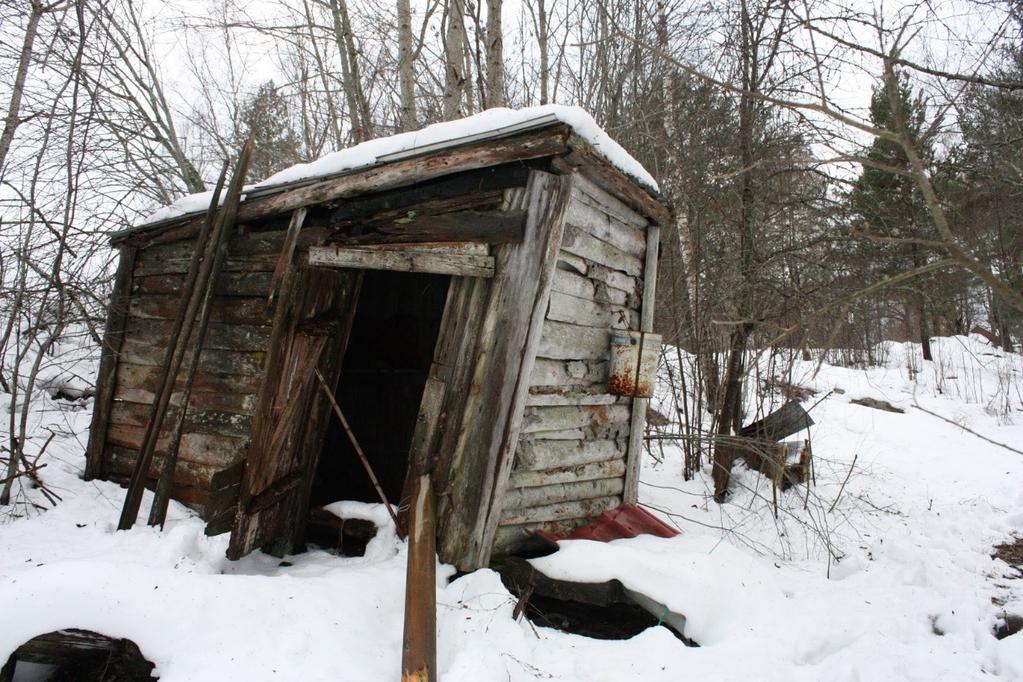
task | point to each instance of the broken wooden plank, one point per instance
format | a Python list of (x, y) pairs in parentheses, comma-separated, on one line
[(586, 217), (788, 419), (573, 284), (585, 245), (588, 192), (403, 259), (579, 311)]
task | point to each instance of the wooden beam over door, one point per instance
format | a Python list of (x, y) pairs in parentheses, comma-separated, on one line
[(464, 260)]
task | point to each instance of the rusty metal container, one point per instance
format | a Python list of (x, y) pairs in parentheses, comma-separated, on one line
[(633, 363)]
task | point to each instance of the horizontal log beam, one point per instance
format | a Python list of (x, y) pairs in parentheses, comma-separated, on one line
[(403, 259), (486, 227)]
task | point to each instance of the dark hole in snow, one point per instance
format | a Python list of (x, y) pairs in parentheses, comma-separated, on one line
[(605, 610), (69, 394), (347, 537), (78, 655), (1009, 625)]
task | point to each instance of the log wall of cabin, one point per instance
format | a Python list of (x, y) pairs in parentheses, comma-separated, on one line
[(223, 399), (570, 463)]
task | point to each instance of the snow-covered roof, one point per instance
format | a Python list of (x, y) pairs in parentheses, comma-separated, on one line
[(492, 123)]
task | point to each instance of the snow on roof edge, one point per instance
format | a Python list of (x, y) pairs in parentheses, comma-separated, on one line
[(436, 136)]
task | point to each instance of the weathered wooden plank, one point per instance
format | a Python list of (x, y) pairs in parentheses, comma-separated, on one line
[(231, 310), (579, 311), (237, 337), (214, 451), (150, 264), (585, 245), (563, 341), (292, 414), (255, 283), (610, 431), (542, 495), (571, 509), (403, 259), (245, 243), (555, 418), (616, 279), (483, 455), (588, 218), (187, 474), (568, 282), (590, 193), (460, 190), (614, 468), (213, 390), (106, 379), (639, 405), (539, 455), (211, 360), (196, 420), (595, 167), (486, 227), (548, 372), (591, 395), (237, 403), (788, 419), (473, 156)]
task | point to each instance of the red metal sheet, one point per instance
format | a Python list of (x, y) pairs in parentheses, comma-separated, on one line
[(625, 521)]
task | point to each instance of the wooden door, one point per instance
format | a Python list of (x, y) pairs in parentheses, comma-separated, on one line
[(311, 326)]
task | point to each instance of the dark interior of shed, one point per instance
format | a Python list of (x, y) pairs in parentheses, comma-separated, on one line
[(383, 373)]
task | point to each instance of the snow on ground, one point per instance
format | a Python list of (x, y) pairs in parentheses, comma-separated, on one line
[(369, 153), (896, 583)]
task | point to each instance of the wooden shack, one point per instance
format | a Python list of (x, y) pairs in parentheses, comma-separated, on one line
[(466, 288)]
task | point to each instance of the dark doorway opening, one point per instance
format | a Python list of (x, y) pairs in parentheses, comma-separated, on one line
[(390, 349)]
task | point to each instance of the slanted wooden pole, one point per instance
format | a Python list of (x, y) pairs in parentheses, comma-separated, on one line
[(181, 330), (355, 444), (204, 291)]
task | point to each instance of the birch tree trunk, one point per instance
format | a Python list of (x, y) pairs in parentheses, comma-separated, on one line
[(12, 120), (454, 58), (495, 55), (358, 110), (406, 71)]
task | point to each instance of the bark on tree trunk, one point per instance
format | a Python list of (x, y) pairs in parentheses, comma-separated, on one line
[(454, 58), (495, 55), (406, 70), (11, 121)]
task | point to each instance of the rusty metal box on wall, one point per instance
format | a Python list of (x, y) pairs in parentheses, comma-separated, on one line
[(633, 363)]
